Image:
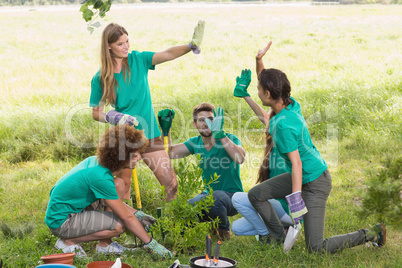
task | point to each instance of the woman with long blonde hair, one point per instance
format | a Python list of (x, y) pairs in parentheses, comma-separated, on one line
[(122, 82)]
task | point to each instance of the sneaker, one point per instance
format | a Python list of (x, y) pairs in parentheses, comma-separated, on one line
[(381, 233), (114, 247), (79, 251)]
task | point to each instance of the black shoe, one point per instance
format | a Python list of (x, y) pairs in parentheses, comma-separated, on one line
[(381, 233)]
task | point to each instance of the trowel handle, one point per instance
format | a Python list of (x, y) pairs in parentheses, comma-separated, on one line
[(208, 247), (216, 253)]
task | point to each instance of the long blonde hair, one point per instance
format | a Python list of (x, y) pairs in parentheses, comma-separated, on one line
[(110, 34)]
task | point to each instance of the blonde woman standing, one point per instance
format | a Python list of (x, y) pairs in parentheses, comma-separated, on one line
[(122, 82)]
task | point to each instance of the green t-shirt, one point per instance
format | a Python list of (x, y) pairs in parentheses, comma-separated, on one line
[(80, 187), (132, 97), (218, 161), (277, 164), (289, 132)]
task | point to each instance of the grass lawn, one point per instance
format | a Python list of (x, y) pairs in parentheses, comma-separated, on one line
[(344, 63)]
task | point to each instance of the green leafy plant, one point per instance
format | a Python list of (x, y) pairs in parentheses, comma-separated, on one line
[(180, 222), (92, 10), (383, 196)]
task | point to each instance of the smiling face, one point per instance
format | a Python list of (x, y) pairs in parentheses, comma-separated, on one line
[(119, 49), (201, 125)]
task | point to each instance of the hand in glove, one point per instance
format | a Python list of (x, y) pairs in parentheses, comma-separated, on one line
[(297, 207), (146, 220), (115, 118), (198, 34), (158, 248), (242, 84), (165, 118), (217, 125)]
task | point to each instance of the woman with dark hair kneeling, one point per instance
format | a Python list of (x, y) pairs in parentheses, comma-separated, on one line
[(86, 204), (308, 184)]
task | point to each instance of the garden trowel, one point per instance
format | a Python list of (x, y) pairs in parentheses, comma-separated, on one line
[(291, 237)]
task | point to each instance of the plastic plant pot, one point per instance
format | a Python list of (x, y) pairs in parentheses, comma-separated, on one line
[(63, 258)]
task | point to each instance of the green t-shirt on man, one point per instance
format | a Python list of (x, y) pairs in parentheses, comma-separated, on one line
[(218, 161)]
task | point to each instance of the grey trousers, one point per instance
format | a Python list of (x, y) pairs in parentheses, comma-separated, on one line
[(315, 195)]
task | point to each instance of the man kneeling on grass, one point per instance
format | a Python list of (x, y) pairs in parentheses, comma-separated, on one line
[(86, 203), (221, 154)]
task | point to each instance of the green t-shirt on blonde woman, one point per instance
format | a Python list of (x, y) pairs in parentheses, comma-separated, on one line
[(133, 96)]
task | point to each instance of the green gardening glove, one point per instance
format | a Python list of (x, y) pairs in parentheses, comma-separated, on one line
[(165, 118), (158, 249), (198, 34), (242, 84), (217, 125), (146, 220)]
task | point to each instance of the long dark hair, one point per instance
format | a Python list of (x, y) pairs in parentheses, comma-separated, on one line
[(263, 172), (277, 83)]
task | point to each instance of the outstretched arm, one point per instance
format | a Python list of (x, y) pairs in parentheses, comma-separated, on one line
[(240, 91), (260, 55), (178, 150), (170, 54), (258, 110), (178, 51)]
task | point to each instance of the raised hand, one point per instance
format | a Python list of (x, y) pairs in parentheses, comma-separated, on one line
[(261, 52), (242, 84), (217, 125), (198, 35)]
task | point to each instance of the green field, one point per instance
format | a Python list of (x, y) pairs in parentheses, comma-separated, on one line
[(344, 63)]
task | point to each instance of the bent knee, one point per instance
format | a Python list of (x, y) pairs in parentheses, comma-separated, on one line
[(120, 228), (239, 198), (253, 195)]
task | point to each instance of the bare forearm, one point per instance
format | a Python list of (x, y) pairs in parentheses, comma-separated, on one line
[(258, 110), (135, 227), (98, 114), (297, 175), (170, 54), (259, 65), (178, 51), (236, 152)]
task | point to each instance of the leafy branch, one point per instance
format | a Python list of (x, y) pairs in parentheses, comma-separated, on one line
[(92, 10)]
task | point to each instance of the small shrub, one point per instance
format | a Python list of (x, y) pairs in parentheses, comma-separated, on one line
[(179, 225), (383, 196)]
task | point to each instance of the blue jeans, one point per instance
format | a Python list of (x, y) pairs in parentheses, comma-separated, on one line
[(221, 209), (251, 223)]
